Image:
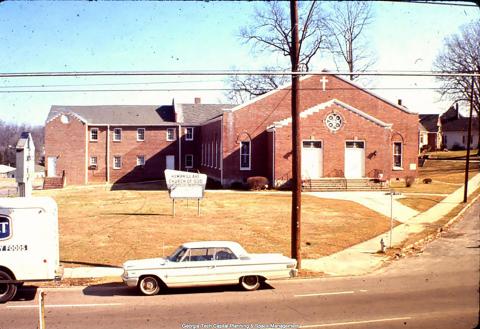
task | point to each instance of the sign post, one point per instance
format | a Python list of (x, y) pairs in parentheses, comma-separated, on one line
[(185, 185)]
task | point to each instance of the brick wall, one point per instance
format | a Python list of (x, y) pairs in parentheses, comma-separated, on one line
[(66, 141), (154, 148), (210, 144), (252, 120), (355, 127)]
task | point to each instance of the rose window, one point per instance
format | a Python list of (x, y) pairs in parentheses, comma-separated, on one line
[(333, 121)]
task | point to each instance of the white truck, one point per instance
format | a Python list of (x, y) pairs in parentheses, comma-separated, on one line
[(29, 243)]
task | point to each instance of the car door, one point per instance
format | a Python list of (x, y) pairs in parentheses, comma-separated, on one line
[(196, 268)]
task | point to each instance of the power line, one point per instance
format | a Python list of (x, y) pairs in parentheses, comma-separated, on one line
[(236, 73), (444, 3), (203, 89), (111, 84)]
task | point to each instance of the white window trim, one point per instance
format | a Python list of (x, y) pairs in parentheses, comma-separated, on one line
[(138, 139), (91, 163), (138, 158), (401, 156), (114, 164), (186, 156), (216, 154), (249, 155), (91, 138), (114, 135), (174, 135), (208, 154), (186, 134)]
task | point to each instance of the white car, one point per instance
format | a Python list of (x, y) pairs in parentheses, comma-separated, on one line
[(207, 263)]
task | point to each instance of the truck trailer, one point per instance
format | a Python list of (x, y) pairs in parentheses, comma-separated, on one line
[(29, 243)]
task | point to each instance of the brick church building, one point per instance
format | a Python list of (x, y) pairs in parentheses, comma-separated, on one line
[(347, 132)]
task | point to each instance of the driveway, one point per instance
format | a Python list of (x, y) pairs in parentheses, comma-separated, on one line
[(377, 201)]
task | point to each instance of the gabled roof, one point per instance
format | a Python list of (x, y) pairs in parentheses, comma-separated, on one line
[(323, 106), (195, 114), (133, 115), (308, 76), (429, 121), (460, 125)]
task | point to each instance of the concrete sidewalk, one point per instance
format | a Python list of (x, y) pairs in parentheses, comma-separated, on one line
[(377, 201), (359, 259), (363, 258)]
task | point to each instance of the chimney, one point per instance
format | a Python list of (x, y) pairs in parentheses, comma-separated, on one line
[(400, 102), (198, 100)]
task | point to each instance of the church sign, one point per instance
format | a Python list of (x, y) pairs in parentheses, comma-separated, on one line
[(185, 185)]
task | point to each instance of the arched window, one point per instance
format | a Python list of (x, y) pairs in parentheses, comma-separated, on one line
[(245, 155)]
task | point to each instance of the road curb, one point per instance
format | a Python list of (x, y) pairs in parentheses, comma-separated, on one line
[(431, 236)]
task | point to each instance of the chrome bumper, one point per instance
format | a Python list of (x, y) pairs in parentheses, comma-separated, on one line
[(130, 282)]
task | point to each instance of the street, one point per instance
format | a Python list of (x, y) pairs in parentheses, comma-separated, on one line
[(434, 289)]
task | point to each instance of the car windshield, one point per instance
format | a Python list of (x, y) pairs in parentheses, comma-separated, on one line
[(177, 254)]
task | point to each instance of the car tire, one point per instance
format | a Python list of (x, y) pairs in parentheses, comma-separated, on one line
[(7, 290), (149, 285), (250, 282)]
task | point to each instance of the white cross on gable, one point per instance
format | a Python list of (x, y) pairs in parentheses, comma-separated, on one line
[(324, 81)]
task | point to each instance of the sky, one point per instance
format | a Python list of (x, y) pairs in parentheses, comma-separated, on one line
[(161, 36)]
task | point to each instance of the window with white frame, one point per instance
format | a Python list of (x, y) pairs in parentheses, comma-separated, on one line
[(140, 160), (140, 134), (208, 155), (245, 155), (189, 133), (117, 162), (93, 162), (397, 155), (93, 134), (188, 160), (170, 134), (216, 154), (117, 134)]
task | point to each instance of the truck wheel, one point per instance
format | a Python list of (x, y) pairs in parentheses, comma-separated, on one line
[(250, 283), (149, 285), (7, 290)]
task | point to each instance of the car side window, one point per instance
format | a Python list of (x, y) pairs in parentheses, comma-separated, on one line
[(200, 254), (224, 254)]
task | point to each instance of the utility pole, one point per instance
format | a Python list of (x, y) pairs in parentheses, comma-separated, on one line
[(296, 160), (467, 163)]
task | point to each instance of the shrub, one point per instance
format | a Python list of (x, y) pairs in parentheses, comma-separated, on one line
[(237, 186), (409, 180), (457, 147), (257, 183), (427, 181), (213, 184)]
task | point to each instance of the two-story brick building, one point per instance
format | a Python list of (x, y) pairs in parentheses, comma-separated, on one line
[(347, 132)]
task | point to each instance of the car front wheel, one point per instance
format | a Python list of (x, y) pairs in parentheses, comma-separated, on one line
[(149, 286), (250, 283)]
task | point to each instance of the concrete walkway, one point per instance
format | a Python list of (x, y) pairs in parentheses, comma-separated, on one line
[(377, 201), (363, 258)]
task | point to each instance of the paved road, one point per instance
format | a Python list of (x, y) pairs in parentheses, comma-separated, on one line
[(436, 289)]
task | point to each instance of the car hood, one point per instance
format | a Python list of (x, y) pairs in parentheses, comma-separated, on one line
[(144, 263)]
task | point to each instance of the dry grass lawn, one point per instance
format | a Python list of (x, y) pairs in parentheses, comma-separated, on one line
[(99, 226), (447, 176)]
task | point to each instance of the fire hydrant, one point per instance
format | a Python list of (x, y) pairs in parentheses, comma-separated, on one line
[(382, 246)]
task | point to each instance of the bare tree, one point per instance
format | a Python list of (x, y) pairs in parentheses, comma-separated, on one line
[(346, 24), (9, 135), (246, 88), (271, 32), (461, 54)]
